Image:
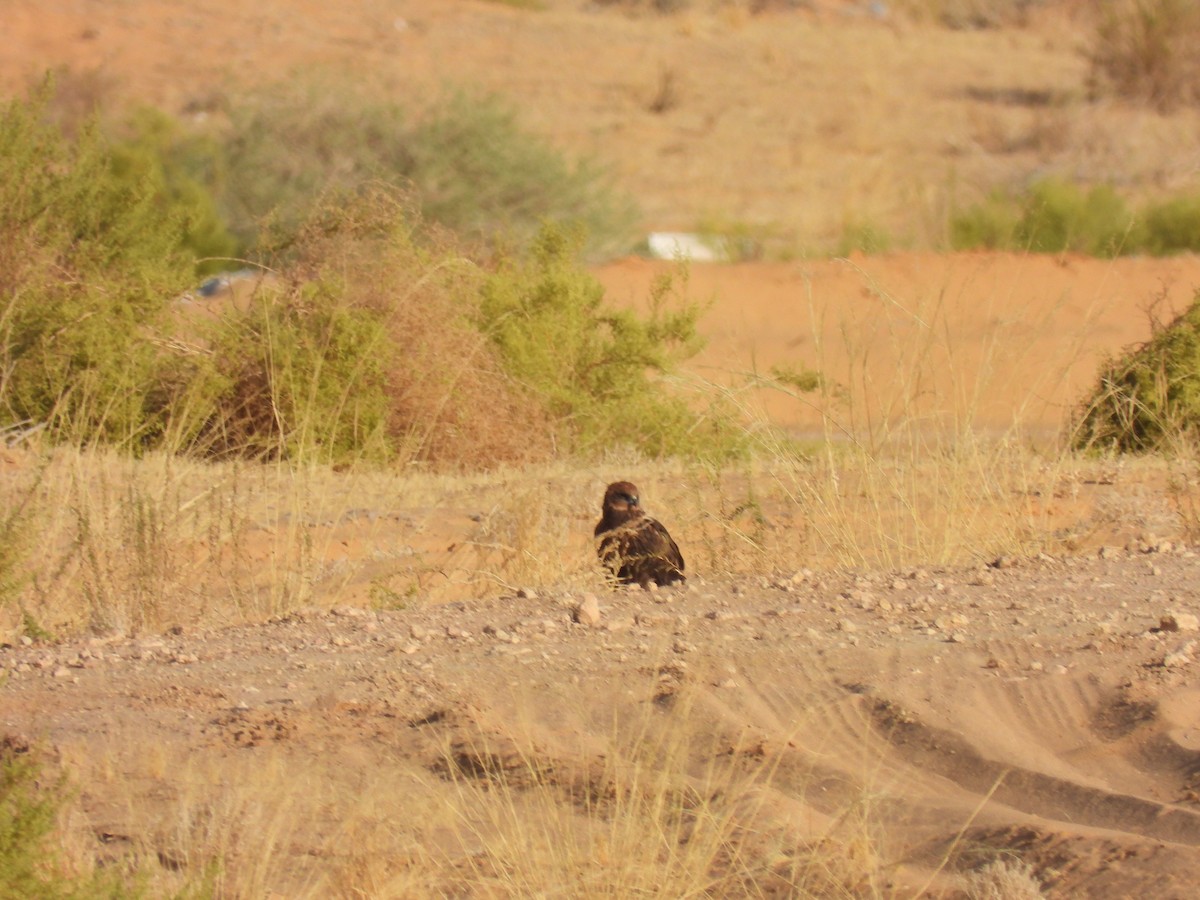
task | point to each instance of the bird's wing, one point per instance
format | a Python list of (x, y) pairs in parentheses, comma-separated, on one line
[(655, 541)]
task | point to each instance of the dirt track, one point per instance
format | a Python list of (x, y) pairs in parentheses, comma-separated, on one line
[(1049, 687)]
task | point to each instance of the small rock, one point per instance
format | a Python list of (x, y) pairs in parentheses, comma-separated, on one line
[(651, 619), (1179, 658), (1179, 622), (587, 611), (61, 672), (847, 626), (527, 594), (419, 632)]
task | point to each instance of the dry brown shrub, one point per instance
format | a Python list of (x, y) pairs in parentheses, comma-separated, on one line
[(451, 402), (1145, 50)]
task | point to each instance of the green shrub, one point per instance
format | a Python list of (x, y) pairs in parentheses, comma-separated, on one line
[(1054, 216), (90, 252), (362, 346), (300, 372), (600, 371), (1145, 50), (183, 168), (1057, 216), (863, 237), (1149, 398), (472, 168), (991, 224), (299, 377), (1051, 216), (1172, 226)]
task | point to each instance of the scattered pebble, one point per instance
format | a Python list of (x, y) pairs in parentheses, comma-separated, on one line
[(587, 611)]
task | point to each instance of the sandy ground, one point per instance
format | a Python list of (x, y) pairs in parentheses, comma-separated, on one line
[(1043, 708), (996, 342)]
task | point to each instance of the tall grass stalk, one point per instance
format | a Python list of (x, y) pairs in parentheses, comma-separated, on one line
[(907, 470)]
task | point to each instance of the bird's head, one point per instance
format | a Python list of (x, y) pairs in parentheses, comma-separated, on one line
[(621, 502)]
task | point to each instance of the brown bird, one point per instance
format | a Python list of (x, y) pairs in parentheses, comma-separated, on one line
[(636, 548)]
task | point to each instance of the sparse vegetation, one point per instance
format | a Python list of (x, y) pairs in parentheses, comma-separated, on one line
[(971, 14), (414, 404), (863, 237), (470, 166), (1144, 50), (91, 247), (1149, 398), (341, 354), (1055, 216), (596, 368)]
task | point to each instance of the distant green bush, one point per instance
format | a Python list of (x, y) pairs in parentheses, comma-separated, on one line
[(1172, 226), (990, 224), (1053, 216), (1149, 398), (470, 165), (1145, 50), (181, 166), (1057, 215), (598, 369), (863, 237), (301, 370)]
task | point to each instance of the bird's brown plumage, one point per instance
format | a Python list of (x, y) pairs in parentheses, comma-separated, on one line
[(636, 548)]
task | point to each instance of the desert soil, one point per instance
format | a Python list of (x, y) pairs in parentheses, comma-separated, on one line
[(1048, 706), (1044, 708)]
